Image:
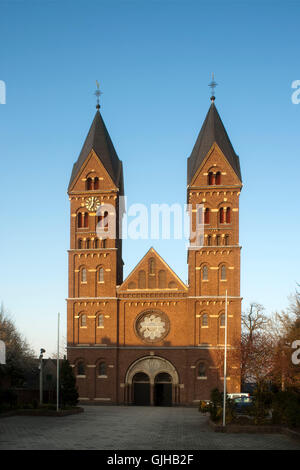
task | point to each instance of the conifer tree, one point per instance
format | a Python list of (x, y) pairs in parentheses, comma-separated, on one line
[(69, 394)]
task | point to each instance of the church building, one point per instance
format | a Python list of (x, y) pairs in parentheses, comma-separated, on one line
[(151, 339)]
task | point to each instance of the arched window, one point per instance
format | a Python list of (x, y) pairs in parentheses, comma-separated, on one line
[(209, 240), (199, 218), (221, 214), (88, 244), (226, 240), (204, 321), (79, 244), (105, 221), (79, 220), (83, 275), (103, 243), (172, 285), (100, 320), (89, 184), (101, 275), (222, 319), (102, 219), (228, 215), (206, 216), (96, 183), (151, 282), (102, 368), (223, 272), (151, 266), (218, 177), (80, 368), (141, 377), (211, 178), (142, 280), (162, 279), (201, 369), (86, 219), (163, 377), (205, 273), (96, 243), (83, 319)]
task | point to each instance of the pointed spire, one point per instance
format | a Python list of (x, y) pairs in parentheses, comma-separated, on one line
[(98, 139), (212, 131)]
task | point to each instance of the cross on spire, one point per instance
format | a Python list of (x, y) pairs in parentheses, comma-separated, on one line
[(97, 94), (212, 85)]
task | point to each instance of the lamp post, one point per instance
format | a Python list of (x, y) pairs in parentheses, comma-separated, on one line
[(225, 365), (57, 365), (41, 375)]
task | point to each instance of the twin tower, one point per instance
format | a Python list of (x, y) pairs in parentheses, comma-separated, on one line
[(151, 339)]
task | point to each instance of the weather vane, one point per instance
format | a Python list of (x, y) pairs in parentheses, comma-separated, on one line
[(212, 85), (97, 94)]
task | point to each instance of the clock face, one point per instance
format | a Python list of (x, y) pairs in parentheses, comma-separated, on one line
[(92, 203), (152, 326)]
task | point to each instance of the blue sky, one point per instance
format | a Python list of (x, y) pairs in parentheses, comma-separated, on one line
[(153, 60)]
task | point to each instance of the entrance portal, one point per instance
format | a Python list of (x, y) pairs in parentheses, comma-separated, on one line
[(163, 390), (151, 380), (141, 389)]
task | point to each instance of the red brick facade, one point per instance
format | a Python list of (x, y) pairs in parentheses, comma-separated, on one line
[(151, 334)]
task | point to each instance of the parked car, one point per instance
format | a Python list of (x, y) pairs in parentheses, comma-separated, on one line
[(237, 395), (242, 404)]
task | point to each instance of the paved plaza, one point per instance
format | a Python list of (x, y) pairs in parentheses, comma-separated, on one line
[(125, 428)]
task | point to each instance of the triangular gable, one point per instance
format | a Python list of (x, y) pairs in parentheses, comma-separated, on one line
[(172, 282), (205, 166), (93, 164)]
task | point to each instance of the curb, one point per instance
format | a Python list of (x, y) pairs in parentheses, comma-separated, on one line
[(42, 413), (254, 429)]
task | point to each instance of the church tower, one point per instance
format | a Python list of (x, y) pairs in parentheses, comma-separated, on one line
[(214, 185), (95, 262), (151, 339)]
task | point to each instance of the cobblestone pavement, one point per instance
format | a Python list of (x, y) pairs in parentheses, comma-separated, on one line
[(126, 428)]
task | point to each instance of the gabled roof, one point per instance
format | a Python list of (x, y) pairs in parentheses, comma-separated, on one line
[(98, 139), (212, 130), (152, 253)]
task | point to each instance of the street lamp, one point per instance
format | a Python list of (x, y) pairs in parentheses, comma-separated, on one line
[(41, 374)]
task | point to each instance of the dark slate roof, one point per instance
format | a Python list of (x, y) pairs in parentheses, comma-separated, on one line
[(99, 140), (212, 130)]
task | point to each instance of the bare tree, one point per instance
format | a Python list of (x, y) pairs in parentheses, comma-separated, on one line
[(285, 329), (62, 349), (19, 355), (254, 320), (256, 345)]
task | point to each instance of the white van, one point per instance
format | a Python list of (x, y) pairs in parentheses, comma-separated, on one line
[(238, 395)]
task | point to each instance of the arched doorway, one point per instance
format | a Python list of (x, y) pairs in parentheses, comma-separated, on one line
[(141, 389), (163, 389), (161, 386)]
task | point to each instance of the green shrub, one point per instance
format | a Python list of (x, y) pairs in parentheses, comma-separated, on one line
[(204, 407), (286, 408), (69, 393), (216, 407), (47, 406), (8, 398), (292, 414), (262, 404)]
